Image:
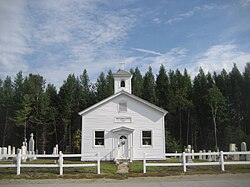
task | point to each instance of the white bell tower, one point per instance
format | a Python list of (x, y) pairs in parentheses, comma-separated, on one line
[(122, 81)]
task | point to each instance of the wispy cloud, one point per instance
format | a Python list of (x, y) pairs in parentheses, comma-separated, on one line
[(58, 38), (213, 59), (156, 20), (190, 13), (13, 36), (147, 51), (172, 59), (245, 3), (221, 56)]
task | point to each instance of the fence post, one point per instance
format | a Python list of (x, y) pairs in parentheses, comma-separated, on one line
[(98, 163), (184, 162), (60, 163), (18, 162), (222, 161), (144, 163)]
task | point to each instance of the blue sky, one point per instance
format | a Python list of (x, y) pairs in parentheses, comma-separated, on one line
[(56, 38)]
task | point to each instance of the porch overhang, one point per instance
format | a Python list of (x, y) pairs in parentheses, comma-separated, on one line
[(122, 129)]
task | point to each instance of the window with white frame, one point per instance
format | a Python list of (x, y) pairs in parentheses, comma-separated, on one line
[(123, 106), (146, 138), (99, 138)]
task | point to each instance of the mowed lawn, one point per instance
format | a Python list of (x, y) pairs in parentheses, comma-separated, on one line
[(108, 170)]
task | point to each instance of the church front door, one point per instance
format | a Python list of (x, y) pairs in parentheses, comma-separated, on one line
[(123, 147)]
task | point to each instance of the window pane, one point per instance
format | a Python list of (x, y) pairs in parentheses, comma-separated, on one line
[(146, 134), (99, 137), (146, 142), (99, 134), (99, 142), (146, 138)]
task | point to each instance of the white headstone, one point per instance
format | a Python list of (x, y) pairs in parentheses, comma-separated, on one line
[(200, 156), (25, 142), (236, 157), (204, 156), (13, 150), (214, 157), (54, 151), (189, 160), (232, 147), (31, 144), (9, 149), (247, 157), (24, 153), (192, 155), (57, 151), (0, 153), (243, 148), (209, 157), (4, 152)]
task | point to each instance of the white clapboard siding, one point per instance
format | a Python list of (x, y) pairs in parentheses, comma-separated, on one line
[(143, 117)]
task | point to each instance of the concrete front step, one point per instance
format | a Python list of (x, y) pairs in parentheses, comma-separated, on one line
[(122, 168)]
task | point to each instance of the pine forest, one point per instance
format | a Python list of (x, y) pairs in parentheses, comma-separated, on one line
[(209, 111)]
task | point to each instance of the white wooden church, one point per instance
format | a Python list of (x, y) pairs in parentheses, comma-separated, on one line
[(123, 126)]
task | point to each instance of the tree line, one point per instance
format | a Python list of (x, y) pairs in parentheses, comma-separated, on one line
[(209, 111)]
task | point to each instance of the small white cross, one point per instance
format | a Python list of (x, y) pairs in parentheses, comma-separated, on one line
[(122, 65)]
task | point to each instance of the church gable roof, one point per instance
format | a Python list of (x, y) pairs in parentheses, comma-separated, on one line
[(122, 73), (127, 94)]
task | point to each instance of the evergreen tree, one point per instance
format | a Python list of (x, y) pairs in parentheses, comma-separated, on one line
[(101, 87), (25, 107), (69, 106), (85, 99), (22, 115), (49, 118), (200, 90), (7, 108), (222, 82), (110, 83), (246, 99), (148, 92), (34, 86), (235, 97), (137, 82), (18, 90), (162, 88)]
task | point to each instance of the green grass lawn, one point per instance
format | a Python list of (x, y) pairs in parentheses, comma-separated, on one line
[(108, 170)]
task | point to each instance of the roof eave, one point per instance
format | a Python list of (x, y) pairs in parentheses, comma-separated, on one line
[(128, 94)]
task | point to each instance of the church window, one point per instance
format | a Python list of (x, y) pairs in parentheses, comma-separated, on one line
[(123, 83), (146, 138), (123, 106), (99, 138)]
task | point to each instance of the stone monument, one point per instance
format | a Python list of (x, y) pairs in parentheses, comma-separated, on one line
[(31, 145), (209, 156), (189, 149), (200, 156), (243, 148)]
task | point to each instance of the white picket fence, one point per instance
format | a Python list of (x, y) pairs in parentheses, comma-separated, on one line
[(221, 161), (18, 162)]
